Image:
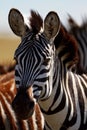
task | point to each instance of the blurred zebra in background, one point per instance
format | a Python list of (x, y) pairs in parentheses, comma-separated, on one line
[(80, 34)]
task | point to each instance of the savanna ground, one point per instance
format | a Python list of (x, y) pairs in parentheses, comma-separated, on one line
[(8, 44)]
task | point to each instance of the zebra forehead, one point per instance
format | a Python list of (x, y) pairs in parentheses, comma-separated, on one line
[(29, 47)]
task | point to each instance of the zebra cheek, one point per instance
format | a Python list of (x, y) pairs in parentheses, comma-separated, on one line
[(23, 105)]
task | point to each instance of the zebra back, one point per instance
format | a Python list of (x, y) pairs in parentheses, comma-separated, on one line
[(8, 119)]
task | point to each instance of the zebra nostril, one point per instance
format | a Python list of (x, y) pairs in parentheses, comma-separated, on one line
[(15, 105), (31, 106)]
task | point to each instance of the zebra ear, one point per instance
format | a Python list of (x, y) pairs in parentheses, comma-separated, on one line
[(51, 25), (16, 22)]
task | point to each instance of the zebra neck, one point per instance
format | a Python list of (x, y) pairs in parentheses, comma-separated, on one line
[(57, 89), (55, 107)]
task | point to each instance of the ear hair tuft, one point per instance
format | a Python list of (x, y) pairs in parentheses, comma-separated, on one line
[(36, 21)]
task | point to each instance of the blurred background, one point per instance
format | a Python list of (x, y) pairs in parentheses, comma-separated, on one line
[(9, 41)]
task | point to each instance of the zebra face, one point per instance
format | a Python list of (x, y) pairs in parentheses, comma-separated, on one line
[(34, 63), (35, 57)]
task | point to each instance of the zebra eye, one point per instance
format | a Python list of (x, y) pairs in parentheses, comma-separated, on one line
[(46, 61)]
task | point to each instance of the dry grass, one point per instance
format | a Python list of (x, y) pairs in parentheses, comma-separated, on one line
[(7, 48)]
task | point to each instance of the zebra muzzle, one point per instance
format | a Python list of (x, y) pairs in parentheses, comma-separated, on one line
[(23, 104)]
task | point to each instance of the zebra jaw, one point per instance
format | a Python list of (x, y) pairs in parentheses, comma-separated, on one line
[(23, 103)]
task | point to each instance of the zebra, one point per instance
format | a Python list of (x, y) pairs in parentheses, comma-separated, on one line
[(61, 93), (80, 34)]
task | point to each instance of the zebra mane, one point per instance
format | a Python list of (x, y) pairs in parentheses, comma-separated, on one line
[(66, 45), (36, 21)]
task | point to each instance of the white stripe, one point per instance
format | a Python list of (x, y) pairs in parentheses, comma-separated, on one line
[(84, 97), (78, 121), (69, 95)]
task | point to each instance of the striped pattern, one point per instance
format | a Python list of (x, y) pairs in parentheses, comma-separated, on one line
[(8, 119), (45, 65), (67, 103)]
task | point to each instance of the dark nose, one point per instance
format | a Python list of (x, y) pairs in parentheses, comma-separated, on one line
[(23, 105)]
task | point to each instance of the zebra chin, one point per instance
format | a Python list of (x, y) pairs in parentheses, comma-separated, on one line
[(23, 104)]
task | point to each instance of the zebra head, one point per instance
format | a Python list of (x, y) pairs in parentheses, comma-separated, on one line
[(34, 58)]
